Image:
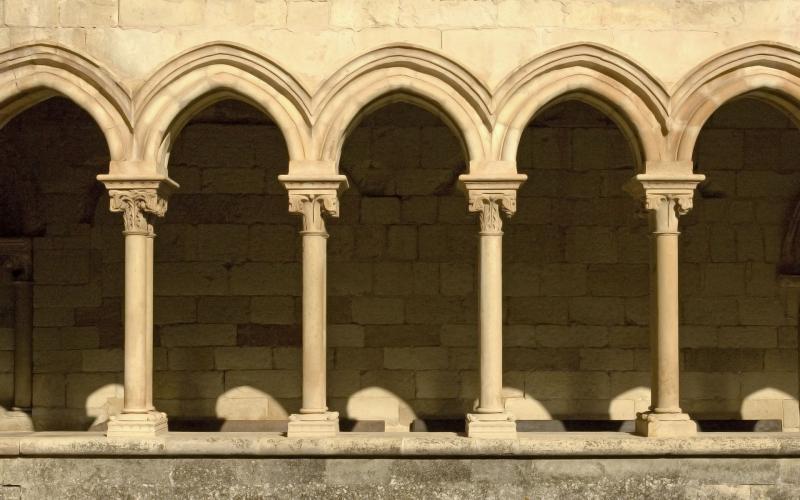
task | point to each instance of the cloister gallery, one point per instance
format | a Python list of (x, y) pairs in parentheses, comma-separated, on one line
[(416, 288), (219, 245)]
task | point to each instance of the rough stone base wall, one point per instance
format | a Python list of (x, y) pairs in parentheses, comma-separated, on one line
[(402, 304), (638, 477)]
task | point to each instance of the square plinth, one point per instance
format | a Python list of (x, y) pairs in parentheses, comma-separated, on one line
[(491, 426), (313, 425), (665, 425), (137, 425)]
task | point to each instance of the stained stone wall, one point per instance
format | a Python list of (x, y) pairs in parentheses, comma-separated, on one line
[(402, 306)]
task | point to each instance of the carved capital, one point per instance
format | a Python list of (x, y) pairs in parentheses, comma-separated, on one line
[(665, 208), (313, 207), (137, 206), (138, 199), (15, 257), (489, 205)]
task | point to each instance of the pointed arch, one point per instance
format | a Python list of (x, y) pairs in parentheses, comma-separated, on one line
[(33, 73), (766, 71), (402, 73), (594, 74), (210, 73)]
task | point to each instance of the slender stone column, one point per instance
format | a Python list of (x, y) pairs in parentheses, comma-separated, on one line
[(149, 320), (138, 201), (312, 200), (23, 345), (489, 198), (665, 199), (16, 255)]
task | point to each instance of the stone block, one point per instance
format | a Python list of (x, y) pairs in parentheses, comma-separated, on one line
[(703, 385), (748, 337), (91, 391), (265, 279), (541, 359), (401, 335), (564, 280), (419, 210), (88, 13), (399, 382), (778, 360), (102, 360), (437, 384), (161, 13), (67, 295), (370, 241), (343, 383), (723, 360), (171, 310), (571, 336), (378, 311), (525, 13), (55, 361), (394, 278), (359, 358), (567, 385), (415, 358), (591, 245), (769, 385), (69, 267), (761, 311), (380, 210), (346, 336), (288, 358), (270, 13), (628, 336), (437, 310), (513, 335), (711, 311), (190, 278), (426, 278), (273, 310), (401, 242), (308, 15), (185, 385), (35, 13), (277, 243), (49, 390), (274, 383), (460, 335), (54, 316), (223, 309), (242, 358), (268, 335), (596, 310), (618, 280), (447, 14), (221, 242), (464, 358), (190, 358), (457, 279), (607, 359), (197, 335), (537, 310)]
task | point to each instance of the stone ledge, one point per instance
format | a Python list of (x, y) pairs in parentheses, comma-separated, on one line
[(232, 444)]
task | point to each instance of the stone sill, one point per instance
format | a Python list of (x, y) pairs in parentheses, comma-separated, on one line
[(264, 444)]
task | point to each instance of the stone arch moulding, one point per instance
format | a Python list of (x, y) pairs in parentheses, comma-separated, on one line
[(594, 74), (766, 71), (32, 73), (402, 73), (207, 74)]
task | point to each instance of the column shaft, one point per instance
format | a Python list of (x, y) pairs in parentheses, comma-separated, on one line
[(149, 322), (23, 344), (135, 323), (314, 344), (491, 322), (666, 399)]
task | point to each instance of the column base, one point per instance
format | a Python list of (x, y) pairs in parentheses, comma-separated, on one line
[(491, 425), (313, 425), (137, 425), (16, 420), (665, 425)]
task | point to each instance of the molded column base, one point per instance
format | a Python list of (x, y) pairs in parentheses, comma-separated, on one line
[(16, 419), (313, 425), (491, 425), (137, 425), (665, 425)]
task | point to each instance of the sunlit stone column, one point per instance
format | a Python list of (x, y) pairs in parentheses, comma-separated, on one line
[(312, 199), (665, 198), (16, 255), (488, 198), (138, 200)]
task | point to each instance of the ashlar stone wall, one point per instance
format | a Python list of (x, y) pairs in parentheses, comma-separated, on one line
[(402, 304)]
